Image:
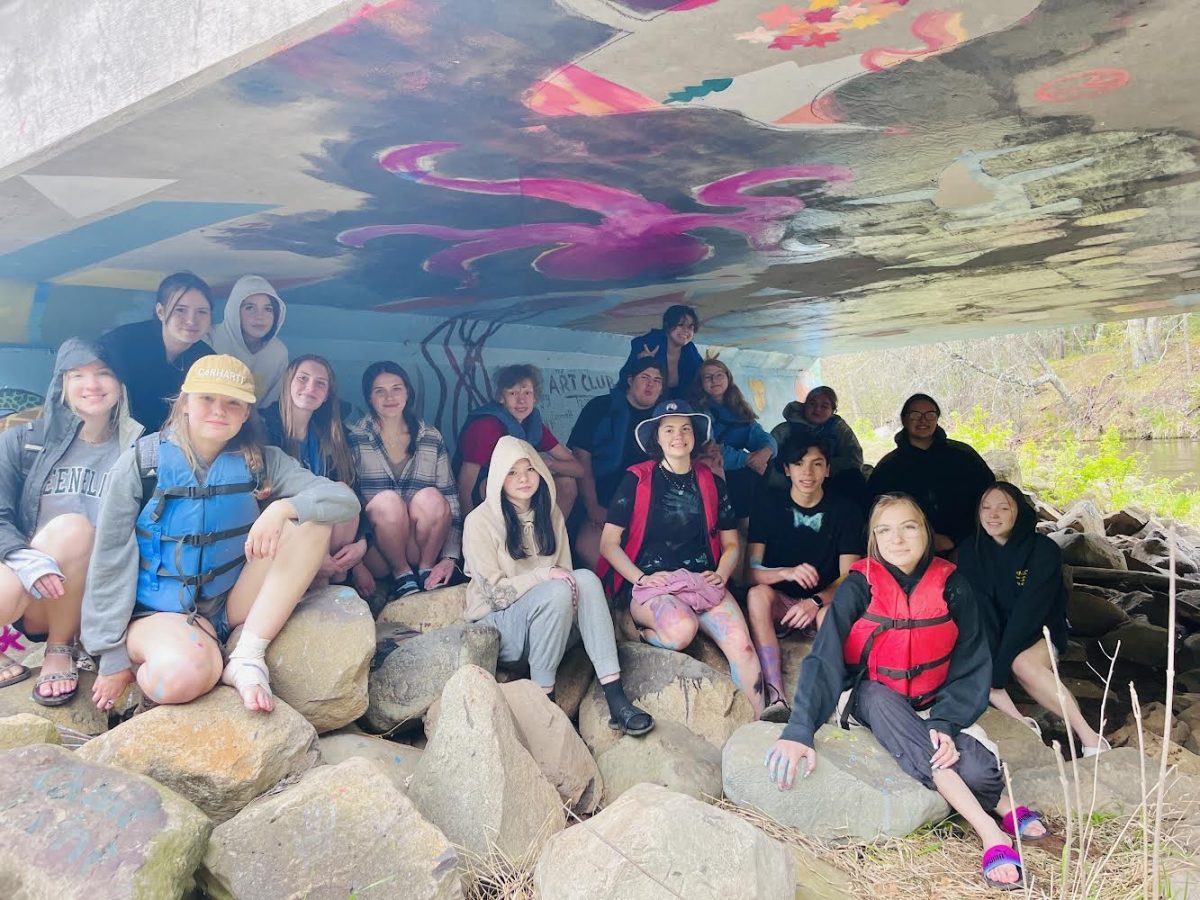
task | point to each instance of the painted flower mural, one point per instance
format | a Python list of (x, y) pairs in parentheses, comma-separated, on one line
[(634, 237)]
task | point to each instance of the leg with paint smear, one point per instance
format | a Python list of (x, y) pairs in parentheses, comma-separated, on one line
[(175, 662), (264, 596), (761, 602), (665, 622), (725, 624)]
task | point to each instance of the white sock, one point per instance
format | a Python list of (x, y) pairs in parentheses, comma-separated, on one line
[(249, 646)]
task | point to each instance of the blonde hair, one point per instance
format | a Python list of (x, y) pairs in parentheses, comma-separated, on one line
[(734, 400), (250, 441), (326, 419), (886, 502), (114, 414)]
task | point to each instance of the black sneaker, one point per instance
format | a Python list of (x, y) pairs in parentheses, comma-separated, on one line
[(404, 586)]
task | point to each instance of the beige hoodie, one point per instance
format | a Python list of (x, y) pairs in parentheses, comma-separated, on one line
[(498, 580)]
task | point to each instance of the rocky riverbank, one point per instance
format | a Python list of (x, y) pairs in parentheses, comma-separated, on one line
[(467, 762)]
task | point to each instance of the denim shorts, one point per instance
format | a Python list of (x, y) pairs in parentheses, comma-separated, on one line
[(218, 618)]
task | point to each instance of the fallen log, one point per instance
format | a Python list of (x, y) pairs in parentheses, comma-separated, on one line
[(1128, 580)]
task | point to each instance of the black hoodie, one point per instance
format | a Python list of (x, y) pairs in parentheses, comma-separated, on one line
[(1020, 588), (946, 480)]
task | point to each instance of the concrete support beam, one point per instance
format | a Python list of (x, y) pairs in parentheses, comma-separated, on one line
[(71, 69)]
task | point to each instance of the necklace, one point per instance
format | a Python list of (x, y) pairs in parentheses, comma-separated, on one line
[(678, 482)]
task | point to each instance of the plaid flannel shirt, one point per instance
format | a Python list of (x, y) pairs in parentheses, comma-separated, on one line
[(427, 466)]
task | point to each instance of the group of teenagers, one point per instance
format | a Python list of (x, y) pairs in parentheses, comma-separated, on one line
[(186, 479)]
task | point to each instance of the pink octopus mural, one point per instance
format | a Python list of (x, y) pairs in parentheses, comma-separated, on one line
[(634, 236)]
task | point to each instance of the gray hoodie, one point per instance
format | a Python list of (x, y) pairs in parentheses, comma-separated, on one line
[(28, 453), (271, 359)]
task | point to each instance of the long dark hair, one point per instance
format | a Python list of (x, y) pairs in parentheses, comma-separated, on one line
[(543, 524), (387, 367), (326, 419), (734, 400), (171, 288)]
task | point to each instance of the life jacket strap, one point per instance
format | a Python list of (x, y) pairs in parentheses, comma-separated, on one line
[(198, 581), (198, 492), (886, 624), (197, 540), (909, 674)]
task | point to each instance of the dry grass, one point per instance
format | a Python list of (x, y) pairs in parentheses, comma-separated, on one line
[(942, 861)]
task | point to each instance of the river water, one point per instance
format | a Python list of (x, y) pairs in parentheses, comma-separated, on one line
[(1172, 459)]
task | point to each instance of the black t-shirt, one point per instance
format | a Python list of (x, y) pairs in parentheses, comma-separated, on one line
[(676, 533), (817, 535), (583, 437)]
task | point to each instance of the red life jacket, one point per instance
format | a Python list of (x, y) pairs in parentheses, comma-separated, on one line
[(636, 533), (904, 642)]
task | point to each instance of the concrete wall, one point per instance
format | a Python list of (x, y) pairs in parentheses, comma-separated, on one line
[(70, 66)]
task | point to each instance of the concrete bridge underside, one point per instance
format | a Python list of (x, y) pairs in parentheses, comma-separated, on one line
[(467, 182)]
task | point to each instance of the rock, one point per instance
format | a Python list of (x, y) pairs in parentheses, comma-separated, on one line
[(1154, 716), (1155, 551), (572, 681), (792, 652), (428, 610), (693, 850), (1093, 611), (671, 687), (320, 659), (1019, 746), (1180, 758), (1082, 516), (1127, 521), (72, 828), (1141, 643), (1005, 465), (670, 756), (1083, 688), (79, 715), (706, 650), (1117, 775), (397, 761), (1088, 550), (339, 831), (546, 732), (413, 674), (24, 729), (1045, 511), (213, 751), (476, 782), (856, 791)]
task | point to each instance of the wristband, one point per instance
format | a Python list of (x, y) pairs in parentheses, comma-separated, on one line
[(639, 578)]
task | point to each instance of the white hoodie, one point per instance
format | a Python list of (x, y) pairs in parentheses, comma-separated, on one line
[(269, 363)]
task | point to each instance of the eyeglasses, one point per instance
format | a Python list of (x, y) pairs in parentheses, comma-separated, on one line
[(930, 416)]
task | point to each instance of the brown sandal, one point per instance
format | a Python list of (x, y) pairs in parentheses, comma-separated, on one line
[(7, 662), (72, 674)]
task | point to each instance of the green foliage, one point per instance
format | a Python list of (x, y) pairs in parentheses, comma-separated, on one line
[(979, 430), (1106, 473)]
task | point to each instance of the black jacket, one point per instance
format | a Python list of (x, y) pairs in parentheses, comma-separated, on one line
[(139, 357), (947, 481)]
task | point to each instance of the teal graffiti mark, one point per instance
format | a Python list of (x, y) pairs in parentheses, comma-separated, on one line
[(695, 91)]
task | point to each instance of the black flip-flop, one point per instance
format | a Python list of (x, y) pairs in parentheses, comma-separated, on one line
[(624, 722)]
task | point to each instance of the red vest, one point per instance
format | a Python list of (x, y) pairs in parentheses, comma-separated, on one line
[(905, 641), (641, 514)]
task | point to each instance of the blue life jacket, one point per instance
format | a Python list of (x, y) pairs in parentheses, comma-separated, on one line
[(608, 442), (191, 536), (530, 430)]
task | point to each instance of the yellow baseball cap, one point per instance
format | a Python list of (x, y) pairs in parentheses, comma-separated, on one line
[(220, 374)]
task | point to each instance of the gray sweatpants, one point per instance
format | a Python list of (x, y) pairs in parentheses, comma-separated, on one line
[(541, 624)]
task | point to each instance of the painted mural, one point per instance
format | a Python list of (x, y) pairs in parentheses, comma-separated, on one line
[(812, 176)]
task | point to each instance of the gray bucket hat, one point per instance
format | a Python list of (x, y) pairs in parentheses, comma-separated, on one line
[(646, 431)]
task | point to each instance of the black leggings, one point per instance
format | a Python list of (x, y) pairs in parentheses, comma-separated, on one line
[(905, 735)]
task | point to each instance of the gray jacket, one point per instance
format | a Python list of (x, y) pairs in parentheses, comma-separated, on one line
[(110, 595), (28, 453)]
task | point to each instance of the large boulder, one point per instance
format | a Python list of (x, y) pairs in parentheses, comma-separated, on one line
[(1019, 745), (80, 714), (575, 675), (1005, 465), (1140, 643), (1082, 516), (320, 659), (653, 843), (546, 732), (413, 675), (1093, 611), (428, 610), (670, 756), (1155, 551), (856, 790), (1127, 521), (1092, 550), (341, 831), (72, 828), (476, 781), (671, 687), (792, 652), (24, 729), (1116, 774), (397, 761), (213, 751)]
